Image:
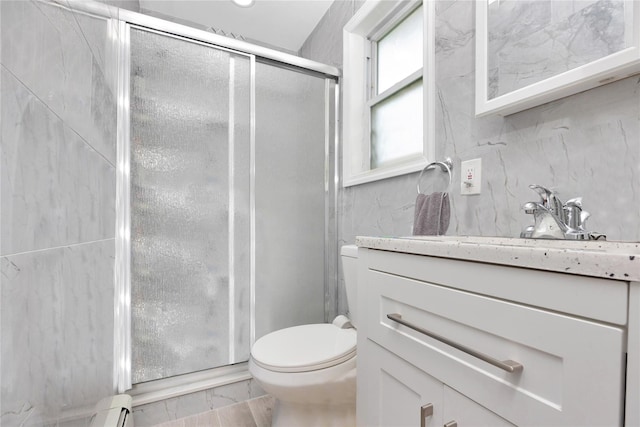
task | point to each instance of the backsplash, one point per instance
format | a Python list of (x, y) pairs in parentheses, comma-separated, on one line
[(584, 145)]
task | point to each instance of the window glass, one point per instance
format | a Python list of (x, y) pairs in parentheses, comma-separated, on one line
[(396, 126), (400, 51)]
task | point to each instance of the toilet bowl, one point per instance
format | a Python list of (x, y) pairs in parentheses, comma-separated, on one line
[(310, 370)]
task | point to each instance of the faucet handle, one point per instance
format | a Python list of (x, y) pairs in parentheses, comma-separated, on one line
[(575, 202), (549, 199), (530, 207), (573, 214), (543, 192), (584, 216)]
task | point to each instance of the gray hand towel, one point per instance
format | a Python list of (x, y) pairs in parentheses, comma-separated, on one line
[(432, 214)]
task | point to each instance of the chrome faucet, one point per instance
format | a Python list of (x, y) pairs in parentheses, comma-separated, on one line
[(556, 220)]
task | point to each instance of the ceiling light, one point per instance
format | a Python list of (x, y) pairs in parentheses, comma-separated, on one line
[(244, 3)]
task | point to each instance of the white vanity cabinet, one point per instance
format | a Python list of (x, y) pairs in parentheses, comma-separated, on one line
[(444, 332), (407, 396)]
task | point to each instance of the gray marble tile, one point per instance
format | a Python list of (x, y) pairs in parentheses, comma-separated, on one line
[(195, 403), (72, 48), (156, 413), (261, 409), (238, 415), (133, 5), (56, 329), (78, 422), (254, 390), (56, 190), (234, 393), (206, 419), (325, 42), (94, 34), (252, 413), (454, 41)]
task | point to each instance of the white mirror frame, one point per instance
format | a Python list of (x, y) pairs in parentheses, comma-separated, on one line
[(613, 67)]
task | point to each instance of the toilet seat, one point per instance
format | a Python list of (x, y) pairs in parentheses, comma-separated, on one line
[(305, 348)]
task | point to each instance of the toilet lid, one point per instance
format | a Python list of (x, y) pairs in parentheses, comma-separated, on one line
[(305, 348)]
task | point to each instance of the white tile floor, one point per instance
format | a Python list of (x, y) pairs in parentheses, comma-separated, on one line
[(252, 413)]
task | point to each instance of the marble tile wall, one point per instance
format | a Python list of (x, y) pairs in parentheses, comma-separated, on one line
[(325, 42), (57, 198), (584, 145), (325, 46), (132, 5)]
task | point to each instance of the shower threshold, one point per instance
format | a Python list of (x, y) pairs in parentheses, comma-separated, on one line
[(167, 388)]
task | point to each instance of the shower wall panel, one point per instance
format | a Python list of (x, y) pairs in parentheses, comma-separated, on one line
[(290, 198), (190, 227), (57, 203)]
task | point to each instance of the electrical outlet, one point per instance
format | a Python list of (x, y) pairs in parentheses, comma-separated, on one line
[(471, 177)]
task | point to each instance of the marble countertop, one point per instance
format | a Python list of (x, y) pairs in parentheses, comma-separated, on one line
[(611, 260)]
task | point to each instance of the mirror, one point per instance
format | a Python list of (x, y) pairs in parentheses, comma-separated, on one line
[(530, 52)]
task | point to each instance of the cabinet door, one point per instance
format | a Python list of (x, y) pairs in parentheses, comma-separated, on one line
[(393, 393), (459, 411)]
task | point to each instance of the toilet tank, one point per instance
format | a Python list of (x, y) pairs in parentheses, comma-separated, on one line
[(349, 256)]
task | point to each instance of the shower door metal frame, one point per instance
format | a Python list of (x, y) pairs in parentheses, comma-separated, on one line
[(123, 20), (123, 217), (122, 314)]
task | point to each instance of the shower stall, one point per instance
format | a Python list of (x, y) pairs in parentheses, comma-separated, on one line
[(168, 197), (226, 198)]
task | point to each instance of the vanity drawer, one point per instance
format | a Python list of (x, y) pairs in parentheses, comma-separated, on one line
[(572, 294), (573, 368)]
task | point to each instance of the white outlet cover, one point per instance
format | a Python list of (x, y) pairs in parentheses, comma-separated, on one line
[(471, 177)]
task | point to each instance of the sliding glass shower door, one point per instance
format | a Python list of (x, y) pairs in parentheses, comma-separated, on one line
[(231, 198), (190, 148), (291, 197)]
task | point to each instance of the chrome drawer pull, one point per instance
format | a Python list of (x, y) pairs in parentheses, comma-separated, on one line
[(506, 365), (451, 424)]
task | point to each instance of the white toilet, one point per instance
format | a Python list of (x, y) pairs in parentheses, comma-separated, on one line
[(311, 369)]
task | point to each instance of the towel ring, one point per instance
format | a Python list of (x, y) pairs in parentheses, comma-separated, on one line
[(446, 166)]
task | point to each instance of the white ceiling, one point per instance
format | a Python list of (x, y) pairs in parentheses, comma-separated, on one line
[(279, 23)]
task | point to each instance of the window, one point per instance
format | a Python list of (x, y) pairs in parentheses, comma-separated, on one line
[(388, 82)]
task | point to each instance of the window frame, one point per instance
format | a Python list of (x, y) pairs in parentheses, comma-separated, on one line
[(374, 20)]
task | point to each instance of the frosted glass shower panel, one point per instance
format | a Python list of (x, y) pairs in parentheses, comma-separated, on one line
[(190, 228), (290, 196)]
